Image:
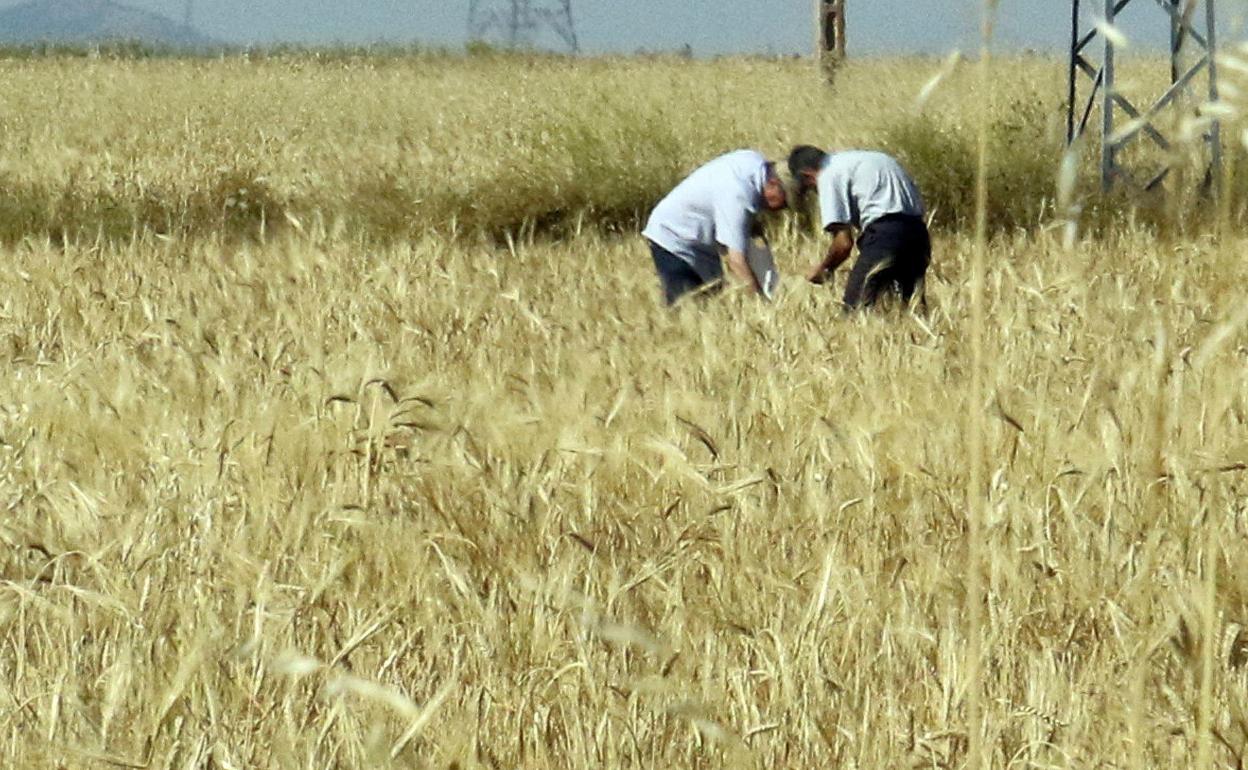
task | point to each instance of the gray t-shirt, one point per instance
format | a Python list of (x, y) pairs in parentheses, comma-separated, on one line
[(858, 187), (714, 206)]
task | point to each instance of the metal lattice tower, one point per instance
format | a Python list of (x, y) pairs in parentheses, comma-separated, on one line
[(1193, 51), (830, 33), (517, 21)]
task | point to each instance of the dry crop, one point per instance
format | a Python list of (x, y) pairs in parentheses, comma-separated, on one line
[(342, 493)]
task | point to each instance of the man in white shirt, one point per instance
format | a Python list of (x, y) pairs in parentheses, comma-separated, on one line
[(867, 192), (711, 213)]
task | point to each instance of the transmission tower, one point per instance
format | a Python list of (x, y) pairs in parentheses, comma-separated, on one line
[(517, 22), (829, 34), (188, 14), (1193, 52)]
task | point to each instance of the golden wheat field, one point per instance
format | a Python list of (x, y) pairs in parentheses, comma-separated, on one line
[(341, 427)]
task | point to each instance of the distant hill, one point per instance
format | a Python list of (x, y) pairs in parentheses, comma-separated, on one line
[(93, 21)]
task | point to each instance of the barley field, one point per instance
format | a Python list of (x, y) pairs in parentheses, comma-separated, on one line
[(341, 427)]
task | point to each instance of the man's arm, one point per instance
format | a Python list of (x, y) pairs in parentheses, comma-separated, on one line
[(734, 221), (740, 269), (840, 250)]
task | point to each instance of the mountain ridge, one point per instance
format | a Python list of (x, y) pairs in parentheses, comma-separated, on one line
[(93, 21)]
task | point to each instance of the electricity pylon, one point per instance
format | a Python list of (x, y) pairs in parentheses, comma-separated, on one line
[(829, 34), (1193, 53), (516, 22)]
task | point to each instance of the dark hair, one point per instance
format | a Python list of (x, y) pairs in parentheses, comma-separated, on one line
[(805, 157)]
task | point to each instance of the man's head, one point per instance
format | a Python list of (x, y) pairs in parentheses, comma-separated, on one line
[(805, 161), (774, 195)]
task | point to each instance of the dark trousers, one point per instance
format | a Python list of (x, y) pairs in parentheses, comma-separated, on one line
[(893, 254), (675, 274)]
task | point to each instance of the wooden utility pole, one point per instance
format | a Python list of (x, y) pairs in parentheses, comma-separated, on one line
[(830, 34)]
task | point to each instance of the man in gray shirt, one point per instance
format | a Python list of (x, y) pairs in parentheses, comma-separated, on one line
[(712, 212), (869, 192)]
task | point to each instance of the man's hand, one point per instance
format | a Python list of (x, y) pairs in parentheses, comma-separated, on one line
[(842, 246), (740, 269)]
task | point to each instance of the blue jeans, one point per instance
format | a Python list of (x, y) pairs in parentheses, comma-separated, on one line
[(675, 274)]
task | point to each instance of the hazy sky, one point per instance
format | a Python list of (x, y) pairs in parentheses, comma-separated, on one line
[(750, 26)]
